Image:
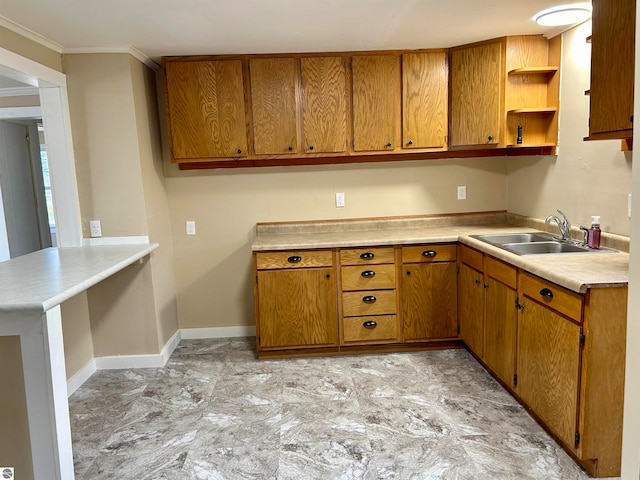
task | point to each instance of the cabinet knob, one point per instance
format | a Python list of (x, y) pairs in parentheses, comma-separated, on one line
[(545, 292), (489, 138), (290, 148), (367, 255), (294, 259), (429, 253), (369, 299), (388, 144), (368, 273), (409, 142), (310, 147), (477, 282), (239, 151), (369, 324)]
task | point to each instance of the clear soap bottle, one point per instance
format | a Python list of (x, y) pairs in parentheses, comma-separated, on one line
[(594, 232)]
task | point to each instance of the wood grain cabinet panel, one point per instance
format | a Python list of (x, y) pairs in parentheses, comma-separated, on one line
[(476, 94), (429, 301), (424, 100), (369, 278), (376, 102), (297, 308), (471, 308), (205, 109), (274, 105), (548, 367), (373, 329), (324, 104), (612, 68)]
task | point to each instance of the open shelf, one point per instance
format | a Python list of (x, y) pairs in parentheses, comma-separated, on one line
[(534, 110), (533, 70)]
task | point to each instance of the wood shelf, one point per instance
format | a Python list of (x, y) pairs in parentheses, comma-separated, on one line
[(533, 70), (526, 145), (534, 110)]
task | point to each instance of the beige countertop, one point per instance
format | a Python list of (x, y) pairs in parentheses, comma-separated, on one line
[(575, 271)]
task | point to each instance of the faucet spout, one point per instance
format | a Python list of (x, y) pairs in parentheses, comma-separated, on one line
[(563, 225)]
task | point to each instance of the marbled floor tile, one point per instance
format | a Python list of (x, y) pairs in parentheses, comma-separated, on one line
[(400, 457), (89, 433), (387, 417), (317, 384), (326, 421), (530, 456), (249, 389), (227, 424), (327, 460), (200, 346), (110, 391), (180, 388), (247, 462), (155, 465)]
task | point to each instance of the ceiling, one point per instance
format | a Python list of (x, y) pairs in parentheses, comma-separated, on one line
[(186, 27)]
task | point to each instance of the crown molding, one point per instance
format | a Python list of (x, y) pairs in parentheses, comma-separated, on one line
[(134, 52), (30, 34)]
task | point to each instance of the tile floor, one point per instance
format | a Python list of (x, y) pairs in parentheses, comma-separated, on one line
[(215, 412)]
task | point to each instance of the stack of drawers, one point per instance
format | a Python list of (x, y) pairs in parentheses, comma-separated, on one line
[(369, 300)]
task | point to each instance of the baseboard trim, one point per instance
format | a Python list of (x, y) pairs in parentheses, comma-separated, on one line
[(217, 332), (120, 362), (81, 376)]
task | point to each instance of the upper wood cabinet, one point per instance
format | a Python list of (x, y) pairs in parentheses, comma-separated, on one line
[(475, 76), (324, 104), (612, 69), (424, 100), (205, 108), (376, 102), (274, 105)]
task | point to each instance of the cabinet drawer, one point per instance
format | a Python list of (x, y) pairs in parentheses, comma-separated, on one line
[(553, 296), (428, 253), (375, 302), (369, 278), (367, 256), (378, 329), (295, 259), (470, 257), (500, 271)]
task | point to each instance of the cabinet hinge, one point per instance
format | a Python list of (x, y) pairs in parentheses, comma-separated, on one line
[(457, 269), (259, 340), (519, 306), (485, 286), (256, 278), (351, 64), (581, 340), (458, 329), (515, 379), (577, 440)]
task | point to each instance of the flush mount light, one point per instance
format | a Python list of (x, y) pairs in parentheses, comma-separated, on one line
[(563, 15)]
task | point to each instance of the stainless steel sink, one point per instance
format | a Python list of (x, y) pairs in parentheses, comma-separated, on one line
[(503, 238), (536, 248), (535, 243)]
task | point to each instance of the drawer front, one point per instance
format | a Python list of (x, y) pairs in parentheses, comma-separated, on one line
[(553, 296), (429, 253), (470, 257), (367, 256), (374, 302), (294, 259), (368, 278), (500, 271), (381, 328)]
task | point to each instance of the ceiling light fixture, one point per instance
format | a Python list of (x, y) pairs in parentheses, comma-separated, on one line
[(563, 15)]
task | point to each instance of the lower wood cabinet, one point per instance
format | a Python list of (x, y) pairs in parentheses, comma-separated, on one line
[(471, 299), (429, 293)]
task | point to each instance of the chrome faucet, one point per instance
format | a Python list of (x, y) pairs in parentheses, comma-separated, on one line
[(563, 225)]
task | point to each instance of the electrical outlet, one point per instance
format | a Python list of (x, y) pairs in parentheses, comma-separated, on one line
[(191, 227), (462, 192), (340, 200), (95, 229)]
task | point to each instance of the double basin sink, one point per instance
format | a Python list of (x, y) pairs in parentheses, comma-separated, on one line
[(535, 243)]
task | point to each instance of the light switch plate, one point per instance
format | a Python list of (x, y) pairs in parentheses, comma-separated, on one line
[(340, 200), (462, 192), (191, 227)]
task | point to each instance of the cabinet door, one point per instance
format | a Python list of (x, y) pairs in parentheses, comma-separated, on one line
[(297, 308), (500, 329), (475, 95), (424, 100), (548, 367), (429, 303), (324, 104), (273, 103), (376, 101), (470, 308), (205, 109), (612, 66)]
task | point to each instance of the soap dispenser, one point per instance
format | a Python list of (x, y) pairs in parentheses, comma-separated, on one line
[(594, 232)]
